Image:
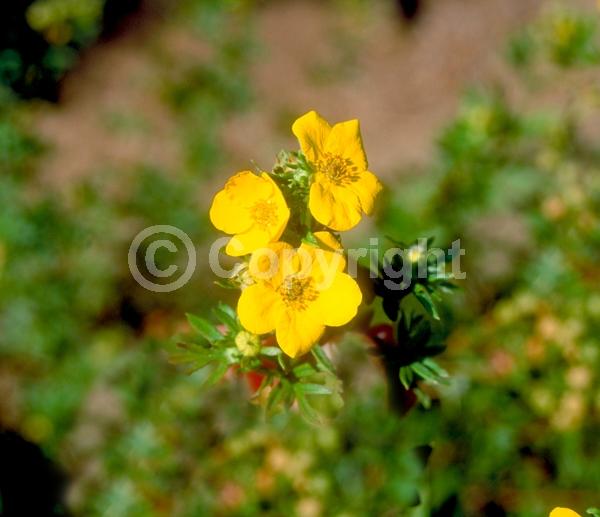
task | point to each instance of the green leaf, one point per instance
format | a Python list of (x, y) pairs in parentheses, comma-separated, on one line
[(595, 512), (310, 388), (436, 368), (323, 362), (425, 299), (306, 410), (425, 373), (304, 370), (226, 284), (423, 398), (270, 351), (217, 374), (226, 315), (281, 362), (206, 329), (274, 397), (195, 356), (406, 376)]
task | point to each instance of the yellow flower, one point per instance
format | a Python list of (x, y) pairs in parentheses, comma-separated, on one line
[(297, 293), (563, 512), (252, 209), (342, 187)]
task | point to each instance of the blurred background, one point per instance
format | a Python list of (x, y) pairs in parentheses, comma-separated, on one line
[(482, 119)]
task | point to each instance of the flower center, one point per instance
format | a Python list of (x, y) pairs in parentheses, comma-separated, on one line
[(339, 170), (297, 292), (264, 212)]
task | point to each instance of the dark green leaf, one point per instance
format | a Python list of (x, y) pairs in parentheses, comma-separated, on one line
[(425, 299)]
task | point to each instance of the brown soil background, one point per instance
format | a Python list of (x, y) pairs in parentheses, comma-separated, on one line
[(402, 82)]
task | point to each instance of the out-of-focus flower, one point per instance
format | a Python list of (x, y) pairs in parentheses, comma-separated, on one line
[(342, 188), (252, 209), (297, 294)]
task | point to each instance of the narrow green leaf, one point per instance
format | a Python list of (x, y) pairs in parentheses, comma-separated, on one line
[(425, 373), (323, 362), (281, 362), (304, 370), (306, 410), (226, 315), (425, 299), (226, 284), (406, 376), (436, 368), (310, 388), (217, 374), (274, 398), (270, 351), (288, 395), (206, 329), (423, 398)]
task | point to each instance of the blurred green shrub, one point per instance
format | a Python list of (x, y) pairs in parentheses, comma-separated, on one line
[(522, 190), (84, 372)]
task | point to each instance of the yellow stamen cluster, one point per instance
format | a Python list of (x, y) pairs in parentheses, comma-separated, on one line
[(297, 293)]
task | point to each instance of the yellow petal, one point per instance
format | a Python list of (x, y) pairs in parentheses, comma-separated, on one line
[(323, 264), (229, 211), (259, 308), (245, 243), (345, 140), (282, 210), (336, 207), (266, 263), (297, 332), (366, 188), (339, 303), (245, 186), (228, 216), (328, 240), (312, 131), (563, 512)]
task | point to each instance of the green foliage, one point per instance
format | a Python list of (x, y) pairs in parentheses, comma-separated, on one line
[(281, 381), (521, 189), (562, 36), (84, 373)]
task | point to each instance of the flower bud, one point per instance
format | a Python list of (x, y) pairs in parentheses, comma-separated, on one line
[(248, 344)]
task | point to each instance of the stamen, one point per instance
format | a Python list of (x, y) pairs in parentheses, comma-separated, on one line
[(339, 170), (264, 212), (297, 292)]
